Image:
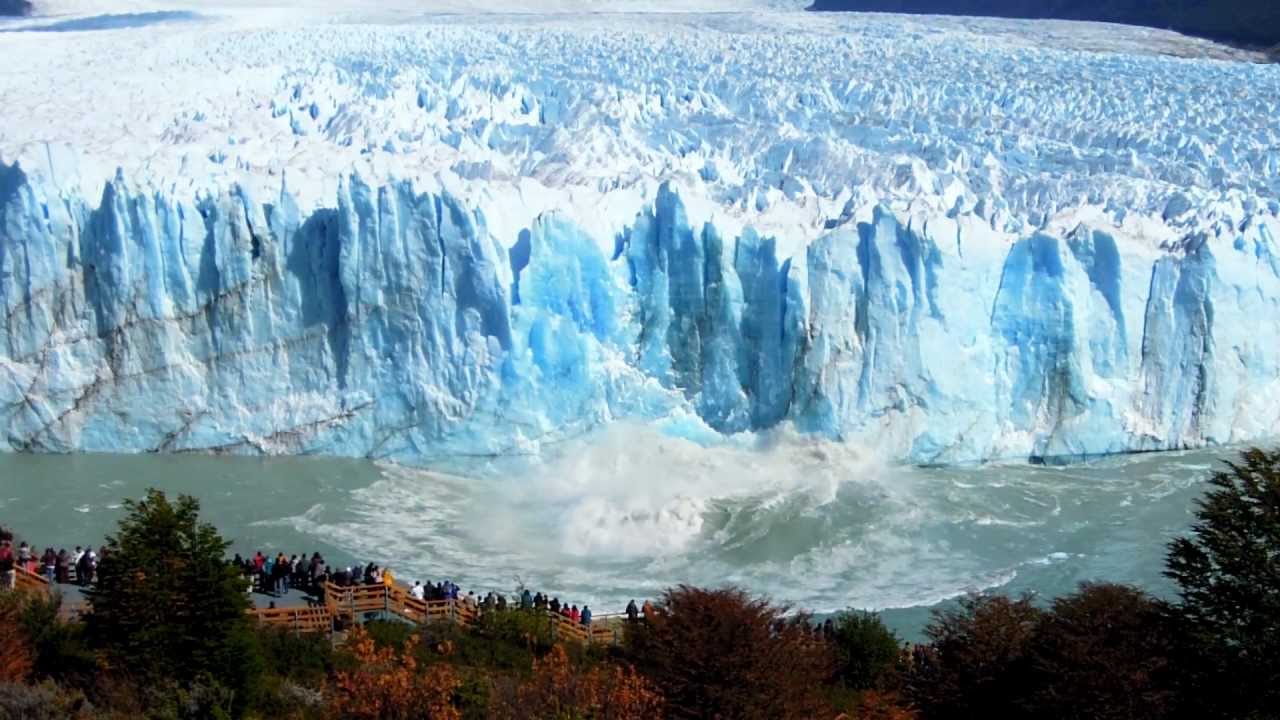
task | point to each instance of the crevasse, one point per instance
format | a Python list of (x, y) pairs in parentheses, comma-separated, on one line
[(394, 325)]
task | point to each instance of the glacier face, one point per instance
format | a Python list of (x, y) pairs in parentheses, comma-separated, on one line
[(394, 326), (952, 239)]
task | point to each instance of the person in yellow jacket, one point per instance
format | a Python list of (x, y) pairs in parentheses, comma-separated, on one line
[(388, 580)]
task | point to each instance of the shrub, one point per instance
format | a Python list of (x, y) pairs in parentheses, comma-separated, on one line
[(303, 658), (15, 646), (45, 701), (1100, 653), (59, 650), (975, 665), (386, 684), (556, 690), (866, 651), (723, 654)]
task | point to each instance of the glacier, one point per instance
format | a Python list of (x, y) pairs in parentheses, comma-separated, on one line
[(463, 240)]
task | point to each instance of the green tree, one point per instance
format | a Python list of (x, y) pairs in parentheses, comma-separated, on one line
[(866, 651), (1228, 574), (168, 606)]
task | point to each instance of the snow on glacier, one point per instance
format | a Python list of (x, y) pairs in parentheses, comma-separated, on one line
[(454, 238)]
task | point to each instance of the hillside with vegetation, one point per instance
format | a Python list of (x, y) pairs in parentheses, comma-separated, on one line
[(1250, 22)]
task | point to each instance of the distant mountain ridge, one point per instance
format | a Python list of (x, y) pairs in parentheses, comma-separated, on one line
[(1254, 22)]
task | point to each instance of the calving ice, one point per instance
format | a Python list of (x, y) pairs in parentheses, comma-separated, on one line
[(448, 240)]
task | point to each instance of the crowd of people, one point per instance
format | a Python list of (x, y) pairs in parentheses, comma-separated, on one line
[(78, 567), (276, 576)]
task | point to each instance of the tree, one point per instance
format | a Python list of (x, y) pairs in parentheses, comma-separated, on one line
[(1102, 653), (167, 605), (722, 654), (976, 662), (386, 683), (866, 651), (1228, 574)]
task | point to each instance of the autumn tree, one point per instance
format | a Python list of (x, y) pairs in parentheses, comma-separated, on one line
[(387, 683), (976, 662), (723, 654), (1101, 653), (557, 690), (1228, 576)]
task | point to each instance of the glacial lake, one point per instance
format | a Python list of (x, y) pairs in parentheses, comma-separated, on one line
[(814, 525)]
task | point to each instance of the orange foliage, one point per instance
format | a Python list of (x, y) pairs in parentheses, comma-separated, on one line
[(557, 690), (15, 650), (875, 705), (388, 686)]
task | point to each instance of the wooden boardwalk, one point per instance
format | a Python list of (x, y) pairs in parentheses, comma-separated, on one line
[(362, 603)]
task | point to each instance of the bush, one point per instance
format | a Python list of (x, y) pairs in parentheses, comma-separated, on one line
[(866, 651), (15, 647), (42, 702), (386, 684), (60, 651), (302, 658), (722, 654), (1101, 653), (557, 690), (976, 663)]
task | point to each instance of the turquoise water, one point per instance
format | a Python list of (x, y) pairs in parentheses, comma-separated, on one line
[(815, 525)]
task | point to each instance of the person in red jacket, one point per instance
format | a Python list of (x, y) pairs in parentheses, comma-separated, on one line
[(8, 571)]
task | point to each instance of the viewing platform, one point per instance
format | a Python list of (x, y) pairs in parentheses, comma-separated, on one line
[(349, 605)]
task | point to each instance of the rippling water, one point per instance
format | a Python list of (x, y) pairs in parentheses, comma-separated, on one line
[(818, 525)]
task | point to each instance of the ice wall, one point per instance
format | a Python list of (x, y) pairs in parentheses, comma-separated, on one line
[(394, 325)]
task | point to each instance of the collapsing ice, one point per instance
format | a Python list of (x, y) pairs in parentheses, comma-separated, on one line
[(395, 326)]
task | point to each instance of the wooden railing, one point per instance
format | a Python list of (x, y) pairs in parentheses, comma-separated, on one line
[(361, 602), (30, 581), (354, 604), (296, 619)]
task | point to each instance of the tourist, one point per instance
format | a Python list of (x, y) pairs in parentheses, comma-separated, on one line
[(8, 575), (417, 592), (490, 602), (575, 615), (84, 571), (539, 602), (63, 567), (502, 602), (25, 557), (554, 606), (647, 609), (586, 616), (526, 600), (388, 579), (50, 562), (284, 569), (633, 612)]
